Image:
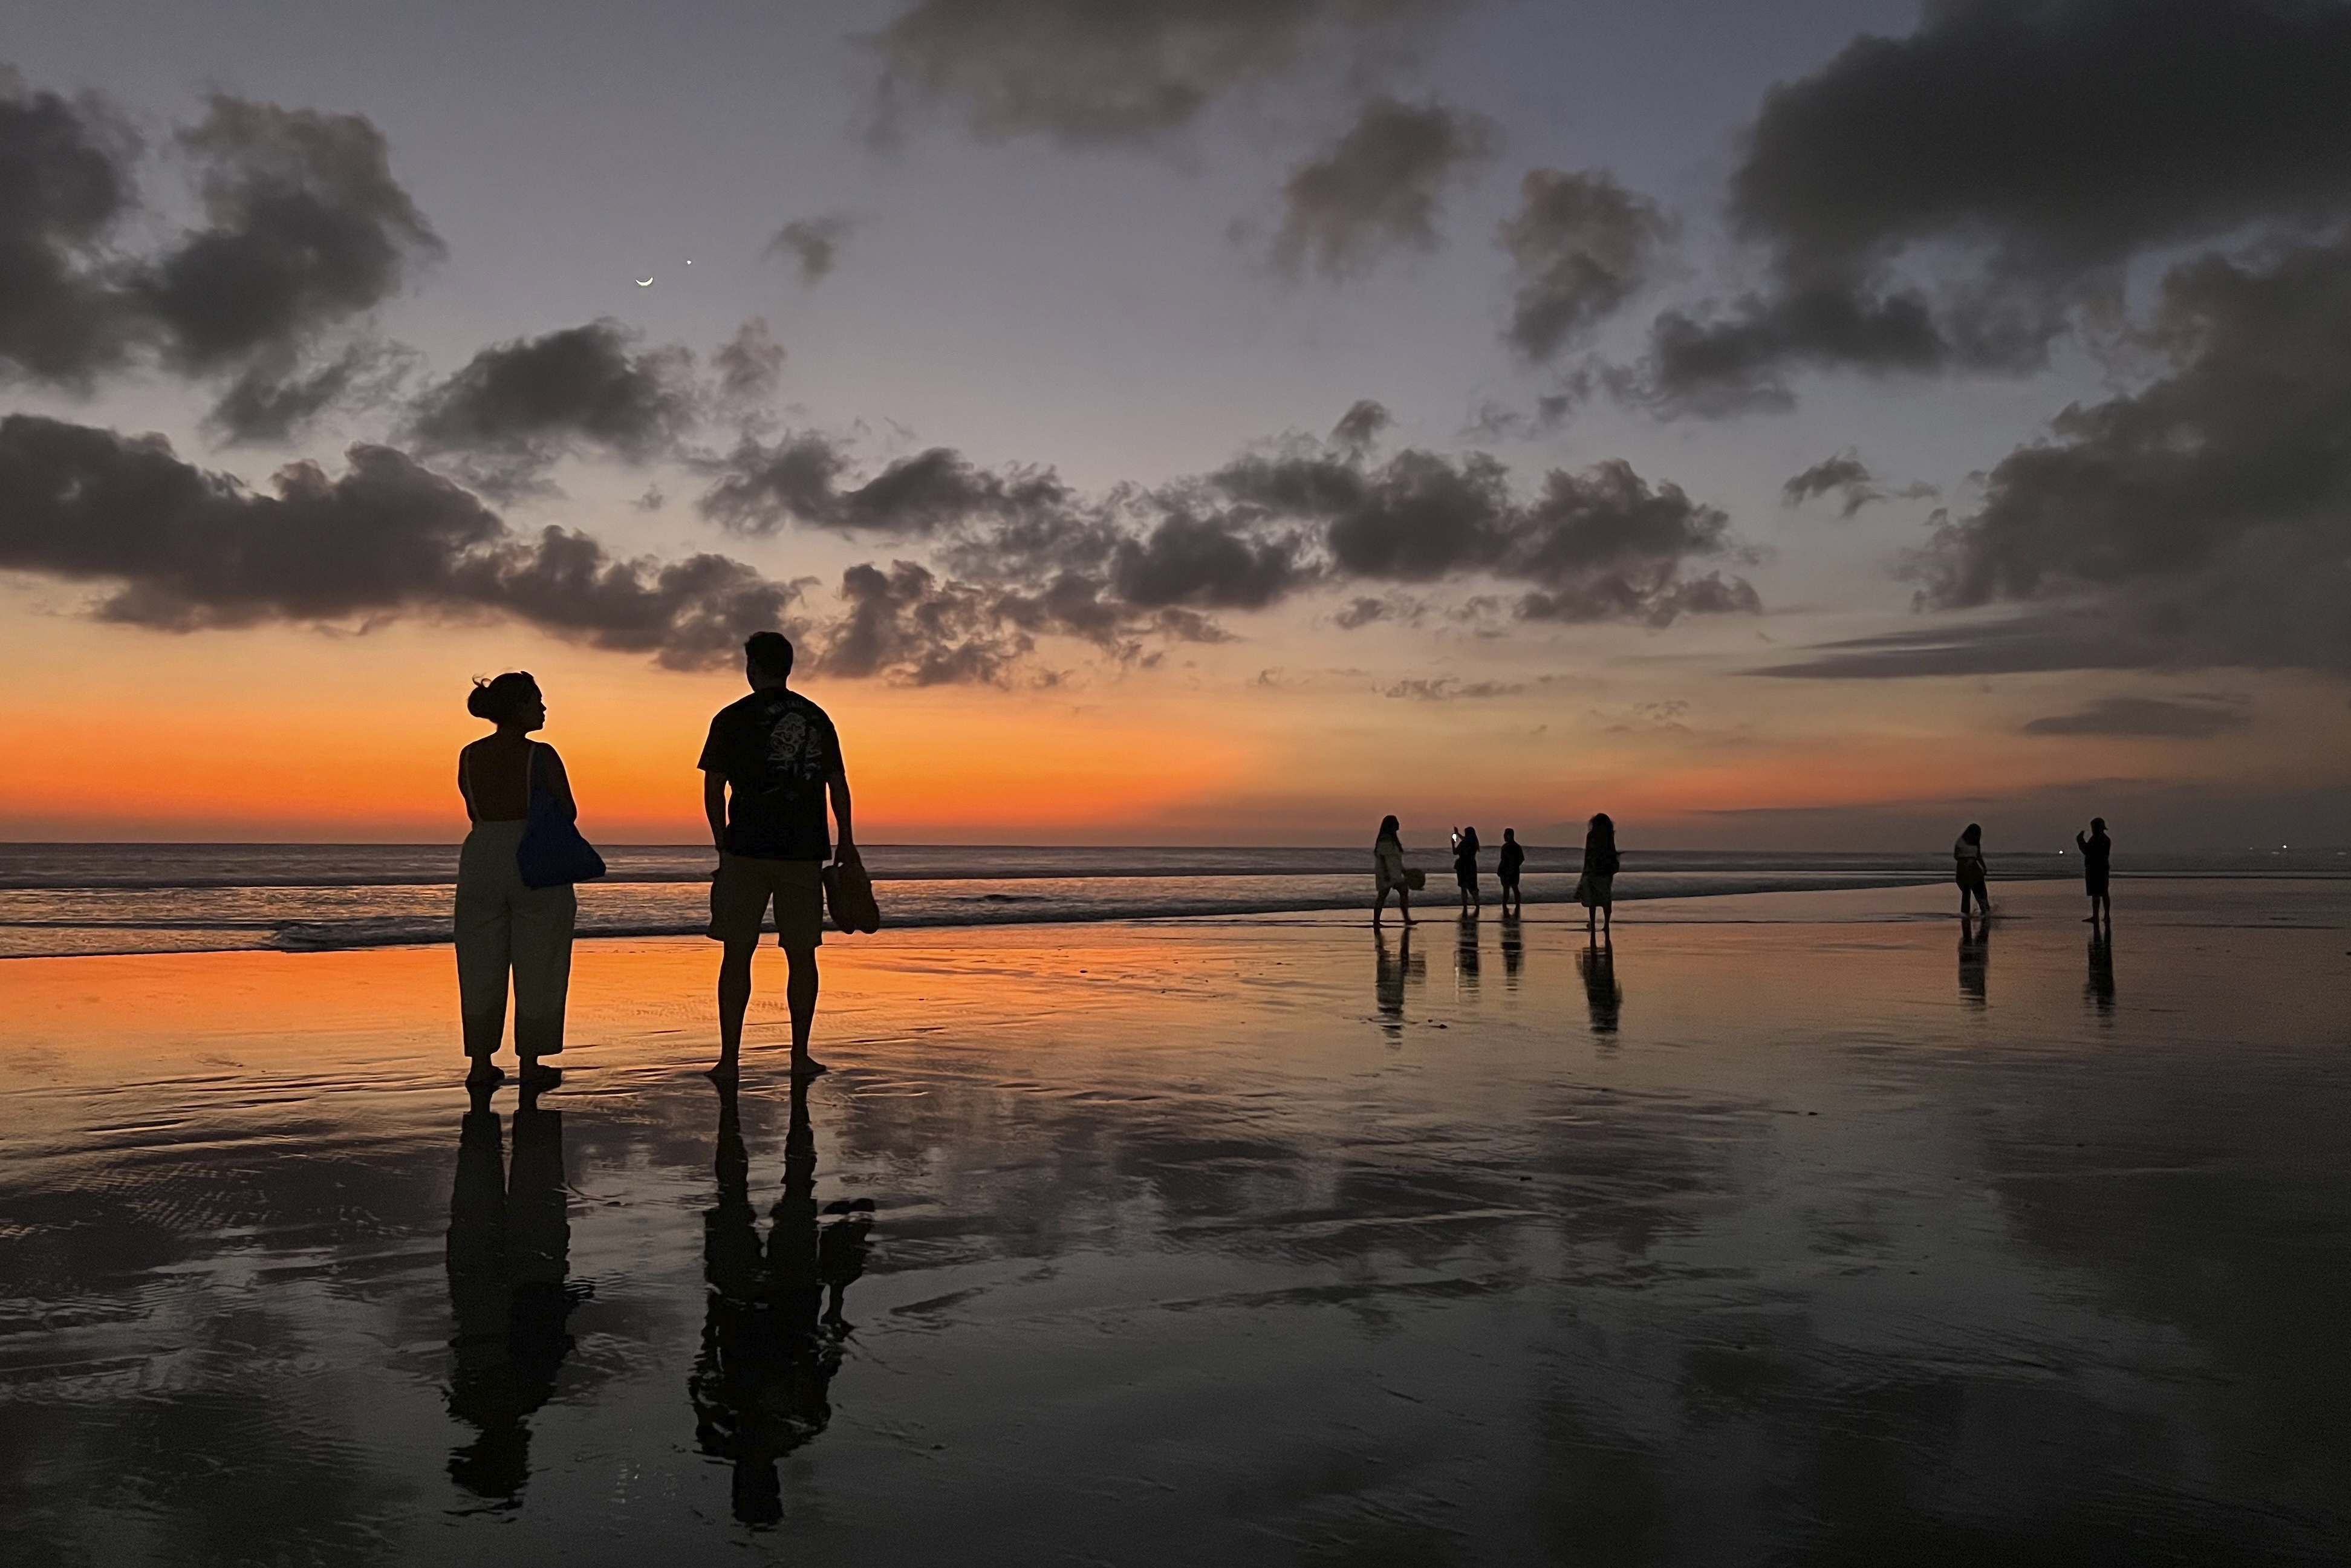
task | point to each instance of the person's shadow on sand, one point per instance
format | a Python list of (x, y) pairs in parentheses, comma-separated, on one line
[(1390, 970), (508, 1251), (1601, 994), (771, 1342), (1975, 959)]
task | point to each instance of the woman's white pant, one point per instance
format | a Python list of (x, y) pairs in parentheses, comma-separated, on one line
[(506, 928)]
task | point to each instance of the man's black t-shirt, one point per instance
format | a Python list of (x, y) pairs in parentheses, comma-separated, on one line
[(775, 748)]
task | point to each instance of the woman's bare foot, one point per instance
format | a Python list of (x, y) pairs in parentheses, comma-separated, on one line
[(808, 1067)]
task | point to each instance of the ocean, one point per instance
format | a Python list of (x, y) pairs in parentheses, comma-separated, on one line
[(77, 899)]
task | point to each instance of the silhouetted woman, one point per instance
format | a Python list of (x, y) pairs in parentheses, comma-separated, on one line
[(1967, 857), (1389, 872), (502, 927), (2097, 854), (1464, 868), (1514, 857), (1596, 889)]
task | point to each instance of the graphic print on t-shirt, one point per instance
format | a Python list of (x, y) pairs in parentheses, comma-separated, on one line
[(789, 750)]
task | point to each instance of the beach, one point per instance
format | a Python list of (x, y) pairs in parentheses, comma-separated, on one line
[(1795, 1225)]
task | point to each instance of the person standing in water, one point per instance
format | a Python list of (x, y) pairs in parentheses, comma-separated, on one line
[(1465, 870), (1506, 872), (2097, 856), (505, 927), (1388, 874), (1596, 888), (1968, 858), (772, 761)]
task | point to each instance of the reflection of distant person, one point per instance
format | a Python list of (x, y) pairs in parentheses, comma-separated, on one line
[(1464, 868), (1388, 974), (508, 1251), (1602, 995), (772, 761), (770, 1344), (1465, 959), (2097, 854), (1975, 958), (1388, 874), (1514, 951), (2100, 987), (1596, 888), (1506, 871), (505, 927), (1967, 861)]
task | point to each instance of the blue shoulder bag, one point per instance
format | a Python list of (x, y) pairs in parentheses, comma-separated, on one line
[(553, 852)]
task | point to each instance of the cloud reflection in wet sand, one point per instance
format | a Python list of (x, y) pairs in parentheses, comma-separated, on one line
[(1182, 1242)]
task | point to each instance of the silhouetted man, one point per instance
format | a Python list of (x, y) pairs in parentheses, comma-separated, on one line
[(2097, 858), (771, 762)]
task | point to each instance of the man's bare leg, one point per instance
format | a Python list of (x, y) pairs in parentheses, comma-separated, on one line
[(799, 993), (734, 1000)]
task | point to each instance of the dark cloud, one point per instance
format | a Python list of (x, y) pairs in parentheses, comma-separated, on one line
[(812, 244), (1359, 428), (1364, 610), (2143, 716), (1083, 73), (304, 232), (761, 487), (905, 620), (2046, 142), (305, 227), (1377, 188), (749, 363), (1580, 245), (183, 549), (1210, 562), (63, 182), (517, 407), (1446, 688), (2206, 518), (1848, 477), (1978, 648)]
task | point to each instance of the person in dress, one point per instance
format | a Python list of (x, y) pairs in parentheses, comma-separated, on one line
[(2097, 856), (1389, 872), (507, 930), (1968, 860), (1596, 888), (1465, 870)]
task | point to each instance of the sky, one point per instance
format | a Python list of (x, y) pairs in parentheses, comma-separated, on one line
[(1813, 426)]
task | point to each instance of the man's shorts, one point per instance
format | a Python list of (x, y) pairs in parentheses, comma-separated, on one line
[(741, 889)]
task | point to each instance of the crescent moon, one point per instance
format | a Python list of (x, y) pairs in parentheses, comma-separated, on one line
[(645, 283)]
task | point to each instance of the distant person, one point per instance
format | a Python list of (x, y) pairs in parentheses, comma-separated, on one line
[(1465, 869), (2097, 854), (1968, 858), (1506, 872), (1596, 888), (771, 762), (1389, 872), (505, 927)]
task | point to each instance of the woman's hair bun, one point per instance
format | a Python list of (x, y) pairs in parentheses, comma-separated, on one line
[(498, 699)]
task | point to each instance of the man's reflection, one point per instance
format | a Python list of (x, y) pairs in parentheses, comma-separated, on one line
[(2100, 987), (1601, 994), (1390, 970), (1975, 958), (1514, 951), (770, 1343), (509, 1248), (1465, 959)]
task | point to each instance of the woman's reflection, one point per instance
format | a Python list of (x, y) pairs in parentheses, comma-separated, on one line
[(2100, 987), (1975, 958), (1514, 951), (1390, 970), (1465, 960), (509, 1248), (770, 1343), (1601, 994)]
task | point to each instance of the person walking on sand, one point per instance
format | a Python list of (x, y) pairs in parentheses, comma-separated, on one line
[(2097, 854), (1388, 874), (1465, 870), (1967, 857), (1596, 888), (771, 763), (506, 929), (1506, 872)]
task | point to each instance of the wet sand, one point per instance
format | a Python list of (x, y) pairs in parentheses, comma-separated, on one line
[(1808, 1230)]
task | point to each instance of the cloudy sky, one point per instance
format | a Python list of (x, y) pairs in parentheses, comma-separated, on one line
[(1188, 420)]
